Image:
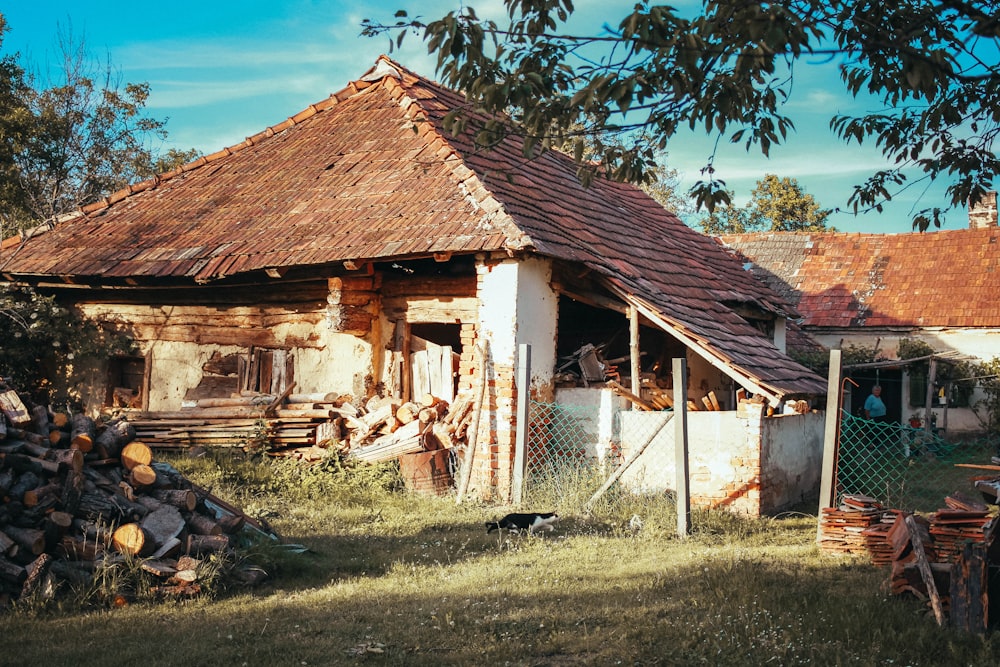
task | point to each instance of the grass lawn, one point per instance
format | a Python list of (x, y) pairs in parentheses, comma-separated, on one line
[(393, 579)]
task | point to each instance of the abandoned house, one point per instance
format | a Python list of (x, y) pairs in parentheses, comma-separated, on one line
[(331, 249), (874, 290)]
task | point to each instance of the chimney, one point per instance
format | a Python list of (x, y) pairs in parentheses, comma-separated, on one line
[(984, 214)]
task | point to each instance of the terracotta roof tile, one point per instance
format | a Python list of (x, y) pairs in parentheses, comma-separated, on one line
[(944, 278), (349, 178)]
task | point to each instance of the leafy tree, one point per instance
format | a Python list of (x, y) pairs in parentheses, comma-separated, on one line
[(728, 69), (777, 205), (47, 349), (74, 139)]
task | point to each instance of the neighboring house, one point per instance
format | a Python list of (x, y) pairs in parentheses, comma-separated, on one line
[(331, 248), (873, 290)]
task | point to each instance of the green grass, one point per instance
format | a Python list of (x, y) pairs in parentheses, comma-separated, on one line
[(393, 579)]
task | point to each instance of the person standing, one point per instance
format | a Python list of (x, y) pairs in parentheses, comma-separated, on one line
[(874, 407)]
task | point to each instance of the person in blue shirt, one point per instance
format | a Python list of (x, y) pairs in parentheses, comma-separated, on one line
[(874, 407)]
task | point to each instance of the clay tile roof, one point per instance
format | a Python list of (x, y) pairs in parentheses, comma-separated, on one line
[(945, 278), (370, 173)]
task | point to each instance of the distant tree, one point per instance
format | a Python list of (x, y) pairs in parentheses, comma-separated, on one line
[(777, 205), (728, 68), (72, 139)]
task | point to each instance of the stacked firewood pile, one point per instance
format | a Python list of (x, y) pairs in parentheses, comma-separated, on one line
[(310, 426), (944, 558), (79, 497)]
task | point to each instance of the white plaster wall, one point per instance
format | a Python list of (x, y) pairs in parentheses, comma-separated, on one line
[(791, 458), (596, 411), (537, 317), (342, 366), (498, 310), (722, 448), (715, 441), (518, 305)]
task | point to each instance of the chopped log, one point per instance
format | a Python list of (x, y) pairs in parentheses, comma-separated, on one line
[(206, 544), (159, 568), (63, 520), (37, 572), (714, 400), (231, 524), (45, 496), (221, 508), (184, 499), (79, 548), (459, 408), (132, 540), (83, 432), (707, 403), (171, 546), (109, 507), (59, 438), (142, 475), (40, 420), (12, 572), (202, 525), (163, 524), (27, 481), (72, 491), (7, 545), (31, 540), (407, 412), (114, 438), (60, 420), (188, 576), (29, 436), (78, 574)]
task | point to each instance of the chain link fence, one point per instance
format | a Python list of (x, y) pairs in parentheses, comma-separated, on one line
[(904, 467), (562, 441), (573, 449)]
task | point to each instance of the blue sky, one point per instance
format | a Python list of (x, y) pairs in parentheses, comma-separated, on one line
[(221, 70)]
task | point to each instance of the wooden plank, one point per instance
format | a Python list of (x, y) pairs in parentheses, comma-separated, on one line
[(925, 569), (11, 405)]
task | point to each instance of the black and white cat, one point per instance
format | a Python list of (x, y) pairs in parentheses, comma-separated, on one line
[(518, 521)]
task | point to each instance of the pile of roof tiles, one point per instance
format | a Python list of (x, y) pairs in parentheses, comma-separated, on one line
[(943, 558)]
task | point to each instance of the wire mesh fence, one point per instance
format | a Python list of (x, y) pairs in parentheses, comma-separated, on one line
[(904, 467), (573, 449), (562, 439)]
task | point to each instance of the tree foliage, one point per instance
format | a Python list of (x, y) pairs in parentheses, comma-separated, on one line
[(71, 140), (776, 204), (728, 69), (47, 349)]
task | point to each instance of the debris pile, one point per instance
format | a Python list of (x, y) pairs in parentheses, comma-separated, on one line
[(79, 497), (943, 558)]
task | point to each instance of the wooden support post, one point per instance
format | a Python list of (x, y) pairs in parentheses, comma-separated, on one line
[(633, 350), (681, 448), (521, 421), (828, 477)]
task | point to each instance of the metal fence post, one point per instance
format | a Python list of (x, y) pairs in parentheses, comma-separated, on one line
[(521, 421)]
